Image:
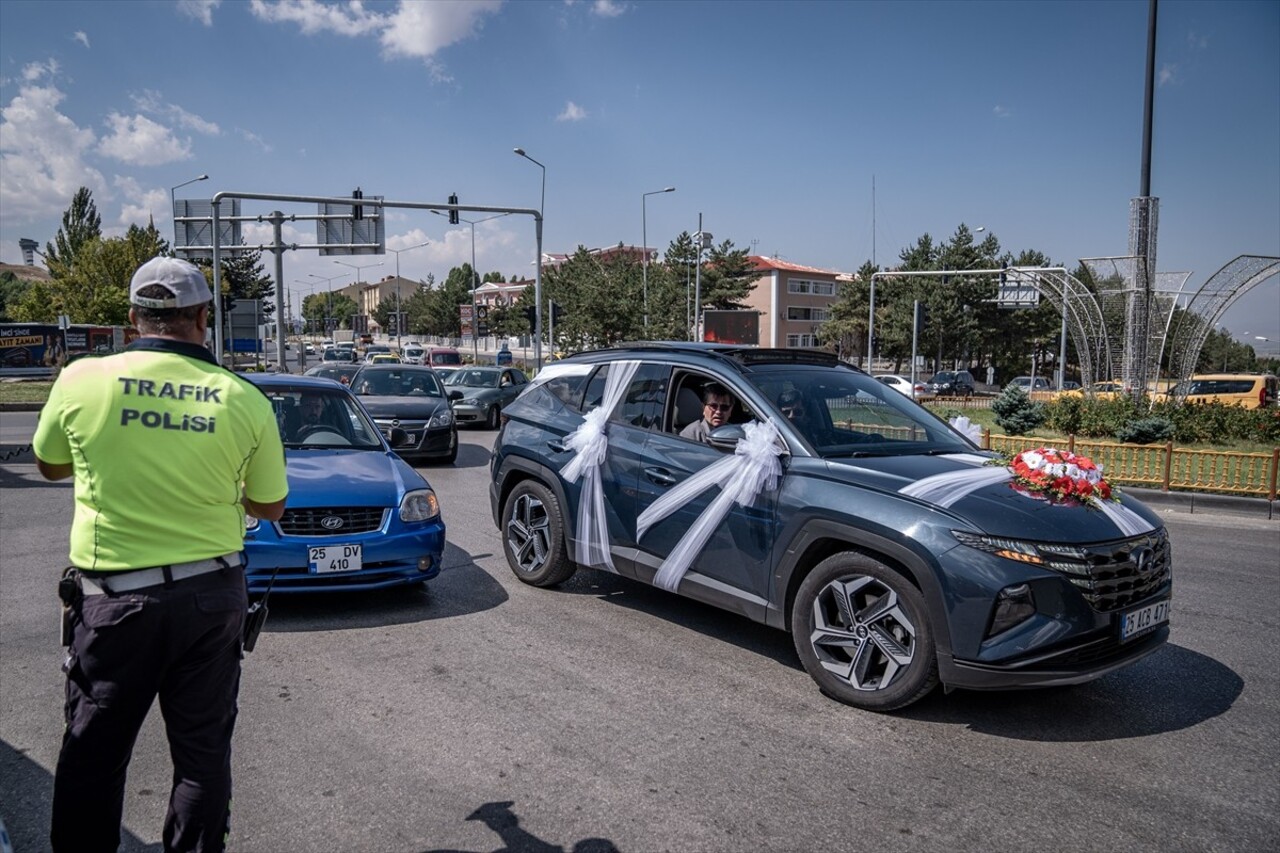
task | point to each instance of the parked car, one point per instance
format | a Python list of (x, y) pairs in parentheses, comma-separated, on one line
[(357, 516), (480, 393), (891, 552), (951, 383), (410, 398), (919, 391), (1250, 390), (1030, 383)]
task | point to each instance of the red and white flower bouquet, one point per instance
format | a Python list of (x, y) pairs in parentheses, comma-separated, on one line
[(1059, 476)]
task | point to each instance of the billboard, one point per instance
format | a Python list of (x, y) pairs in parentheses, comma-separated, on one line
[(27, 346), (731, 327)]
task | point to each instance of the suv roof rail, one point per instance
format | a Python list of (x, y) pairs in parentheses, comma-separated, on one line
[(742, 354)]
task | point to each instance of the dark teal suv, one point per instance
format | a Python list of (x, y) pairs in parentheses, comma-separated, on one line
[(798, 491)]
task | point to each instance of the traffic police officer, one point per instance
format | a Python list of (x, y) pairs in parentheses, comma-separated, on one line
[(169, 451)]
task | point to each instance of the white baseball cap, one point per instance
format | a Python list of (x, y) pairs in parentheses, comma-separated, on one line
[(183, 280)]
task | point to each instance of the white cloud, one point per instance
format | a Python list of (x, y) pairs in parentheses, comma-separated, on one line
[(152, 102), (200, 10), (1168, 73), (414, 30), (420, 30), (82, 37), (1197, 41), (572, 112), (139, 206), (41, 156), (314, 17), (608, 8), (139, 141), (250, 136), (35, 70), (1001, 112)]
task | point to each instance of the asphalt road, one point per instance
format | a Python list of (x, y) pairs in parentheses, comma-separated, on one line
[(482, 714)]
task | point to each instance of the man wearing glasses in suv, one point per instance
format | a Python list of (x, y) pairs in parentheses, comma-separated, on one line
[(717, 409)]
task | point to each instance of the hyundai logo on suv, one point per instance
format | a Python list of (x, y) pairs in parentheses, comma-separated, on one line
[(1144, 560)]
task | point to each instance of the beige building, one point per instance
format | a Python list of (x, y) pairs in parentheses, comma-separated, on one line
[(368, 296), (793, 301)]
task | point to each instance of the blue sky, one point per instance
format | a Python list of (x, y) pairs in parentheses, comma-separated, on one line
[(770, 119)]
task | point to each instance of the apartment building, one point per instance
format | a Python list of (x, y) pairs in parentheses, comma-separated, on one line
[(793, 301)]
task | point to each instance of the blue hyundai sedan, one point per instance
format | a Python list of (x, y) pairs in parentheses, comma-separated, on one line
[(358, 516)]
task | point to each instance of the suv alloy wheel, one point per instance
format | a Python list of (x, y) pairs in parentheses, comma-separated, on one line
[(863, 633), (533, 536)]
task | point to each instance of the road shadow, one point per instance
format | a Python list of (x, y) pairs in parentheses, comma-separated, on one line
[(1173, 688), (26, 797), (461, 588), (684, 612), (20, 473), (469, 456), (502, 819)]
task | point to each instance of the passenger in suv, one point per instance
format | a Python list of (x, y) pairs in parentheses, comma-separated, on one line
[(951, 383), (877, 535)]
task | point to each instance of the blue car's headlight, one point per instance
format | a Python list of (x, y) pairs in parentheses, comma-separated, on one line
[(442, 419), (250, 523), (419, 505)]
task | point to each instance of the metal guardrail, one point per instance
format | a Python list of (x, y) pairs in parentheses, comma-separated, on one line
[(1164, 466)]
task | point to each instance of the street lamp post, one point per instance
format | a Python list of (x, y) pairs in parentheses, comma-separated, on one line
[(537, 279), (173, 203), (311, 285), (475, 281), (644, 238), (357, 268), (399, 314)]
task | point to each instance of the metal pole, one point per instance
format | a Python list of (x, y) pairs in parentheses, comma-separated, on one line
[(1149, 100), (537, 300), (277, 220), (217, 287), (398, 318), (475, 316), (915, 334), (871, 321), (697, 287), (644, 239)]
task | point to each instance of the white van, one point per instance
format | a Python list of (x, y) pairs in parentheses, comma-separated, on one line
[(412, 353)]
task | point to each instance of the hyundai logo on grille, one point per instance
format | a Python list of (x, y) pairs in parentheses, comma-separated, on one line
[(333, 522), (1144, 560)]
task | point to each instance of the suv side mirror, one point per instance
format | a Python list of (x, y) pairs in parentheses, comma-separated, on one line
[(726, 437)]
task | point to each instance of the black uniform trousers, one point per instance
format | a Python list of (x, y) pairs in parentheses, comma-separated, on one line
[(182, 644)]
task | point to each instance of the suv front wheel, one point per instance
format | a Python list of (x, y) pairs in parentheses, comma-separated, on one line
[(863, 633), (533, 535)]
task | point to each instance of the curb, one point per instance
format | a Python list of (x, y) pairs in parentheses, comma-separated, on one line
[(21, 407)]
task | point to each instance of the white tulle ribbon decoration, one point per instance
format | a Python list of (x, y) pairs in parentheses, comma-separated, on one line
[(590, 443), (753, 467), (967, 428)]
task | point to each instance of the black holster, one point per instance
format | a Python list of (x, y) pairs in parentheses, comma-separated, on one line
[(70, 593)]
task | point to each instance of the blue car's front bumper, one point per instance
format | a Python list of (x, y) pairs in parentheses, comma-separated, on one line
[(396, 553)]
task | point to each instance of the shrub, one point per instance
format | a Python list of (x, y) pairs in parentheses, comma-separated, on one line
[(1066, 414), (1152, 430), (1015, 413)]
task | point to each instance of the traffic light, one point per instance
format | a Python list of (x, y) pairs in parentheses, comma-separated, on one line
[(453, 214), (556, 312), (922, 318), (531, 314), (357, 211)]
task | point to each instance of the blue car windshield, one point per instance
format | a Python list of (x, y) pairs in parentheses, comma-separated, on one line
[(322, 419), (843, 413)]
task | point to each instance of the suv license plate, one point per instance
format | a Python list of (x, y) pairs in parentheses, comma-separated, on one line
[(325, 559), (1143, 619)]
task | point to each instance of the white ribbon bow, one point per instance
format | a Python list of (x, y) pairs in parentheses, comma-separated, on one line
[(753, 466), (590, 442)]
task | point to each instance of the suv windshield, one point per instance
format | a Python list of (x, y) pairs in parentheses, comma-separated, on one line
[(843, 413)]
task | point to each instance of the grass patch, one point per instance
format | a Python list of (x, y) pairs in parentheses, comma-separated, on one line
[(24, 391)]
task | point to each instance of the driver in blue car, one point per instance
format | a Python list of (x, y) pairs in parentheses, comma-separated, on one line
[(310, 414)]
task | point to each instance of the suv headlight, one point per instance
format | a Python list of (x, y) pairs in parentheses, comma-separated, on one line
[(441, 419), (419, 505), (251, 523), (1011, 549)]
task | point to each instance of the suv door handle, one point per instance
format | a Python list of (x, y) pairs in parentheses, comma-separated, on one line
[(661, 476), (557, 446)]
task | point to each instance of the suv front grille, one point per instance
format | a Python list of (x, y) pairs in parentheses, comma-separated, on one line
[(1115, 575), (312, 521)]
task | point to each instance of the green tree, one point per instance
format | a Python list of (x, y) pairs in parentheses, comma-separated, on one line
[(80, 224), (727, 277), (12, 289), (243, 277), (846, 327)]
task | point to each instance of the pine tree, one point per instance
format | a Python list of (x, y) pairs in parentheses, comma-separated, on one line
[(80, 224)]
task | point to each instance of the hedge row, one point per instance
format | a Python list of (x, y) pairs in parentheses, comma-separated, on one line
[(1189, 422)]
